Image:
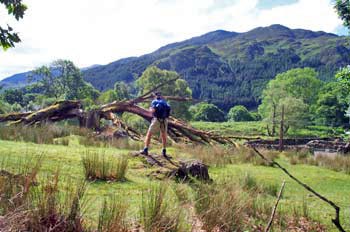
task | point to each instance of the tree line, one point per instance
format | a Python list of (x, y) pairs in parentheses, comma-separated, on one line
[(306, 99)]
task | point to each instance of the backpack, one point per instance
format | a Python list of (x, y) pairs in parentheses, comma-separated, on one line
[(162, 109)]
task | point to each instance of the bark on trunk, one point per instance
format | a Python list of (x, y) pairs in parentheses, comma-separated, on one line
[(178, 129)]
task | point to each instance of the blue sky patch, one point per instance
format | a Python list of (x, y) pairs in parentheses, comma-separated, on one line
[(341, 30), (268, 4)]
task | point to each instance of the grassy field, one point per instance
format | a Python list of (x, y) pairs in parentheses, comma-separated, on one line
[(258, 129), (67, 159)]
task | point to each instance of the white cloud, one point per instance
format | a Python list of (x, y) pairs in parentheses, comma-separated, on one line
[(98, 32)]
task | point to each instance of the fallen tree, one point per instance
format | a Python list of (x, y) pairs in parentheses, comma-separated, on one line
[(179, 131)]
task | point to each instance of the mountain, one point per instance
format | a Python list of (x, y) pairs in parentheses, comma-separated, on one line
[(16, 81), (229, 68), (22, 79)]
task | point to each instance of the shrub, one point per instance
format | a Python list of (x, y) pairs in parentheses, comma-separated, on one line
[(207, 112), (239, 114), (98, 166)]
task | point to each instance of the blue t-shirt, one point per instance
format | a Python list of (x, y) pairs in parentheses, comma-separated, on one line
[(158, 101), (165, 110)]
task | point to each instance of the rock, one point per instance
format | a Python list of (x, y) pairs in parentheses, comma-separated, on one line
[(110, 133), (194, 169), (336, 145), (172, 168)]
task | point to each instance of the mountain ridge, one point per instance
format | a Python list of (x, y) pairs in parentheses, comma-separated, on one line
[(230, 68)]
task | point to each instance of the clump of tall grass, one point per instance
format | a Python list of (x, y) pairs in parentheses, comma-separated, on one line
[(40, 134), (247, 155), (221, 207), (219, 155), (339, 163), (62, 141), (99, 166), (157, 213), (216, 156), (112, 216), (250, 183), (299, 157), (121, 143), (237, 205), (15, 183), (181, 193), (52, 209), (27, 205)]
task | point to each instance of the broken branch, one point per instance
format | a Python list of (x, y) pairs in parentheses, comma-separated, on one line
[(275, 207), (336, 220)]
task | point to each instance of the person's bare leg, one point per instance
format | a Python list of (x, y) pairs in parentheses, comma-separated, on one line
[(148, 138), (164, 139), (147, 142)]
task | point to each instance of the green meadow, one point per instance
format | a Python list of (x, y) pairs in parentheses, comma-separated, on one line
[(296, 201)]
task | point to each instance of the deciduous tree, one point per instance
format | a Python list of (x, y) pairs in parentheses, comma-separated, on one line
[(343, 9), (296, 86), (8, 37), (154, 76)]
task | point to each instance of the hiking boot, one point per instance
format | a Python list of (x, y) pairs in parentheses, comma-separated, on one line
[(144, 151), (164, 154)]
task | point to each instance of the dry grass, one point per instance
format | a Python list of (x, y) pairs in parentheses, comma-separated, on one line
[(221, 207), (15, 187), (219, 156), (337, 163), (182, 193), (55, 210), (98, 166), (40, 134), (121, 143), (230, 206), (39, 207)]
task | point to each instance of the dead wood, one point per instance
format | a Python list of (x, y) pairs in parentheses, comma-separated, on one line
[(58, 111), (275, 207), (61, 110), (173, 168), (13, 116), (336, 220)]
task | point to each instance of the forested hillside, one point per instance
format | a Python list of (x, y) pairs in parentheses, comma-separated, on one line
[(228, 68)]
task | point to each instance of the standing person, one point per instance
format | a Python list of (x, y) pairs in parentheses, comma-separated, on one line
[(161, 111)]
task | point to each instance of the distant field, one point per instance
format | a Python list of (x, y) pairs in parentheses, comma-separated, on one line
[(335, 185), (255, 129)]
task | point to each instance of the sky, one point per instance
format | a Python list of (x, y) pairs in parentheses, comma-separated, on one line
[(92, 32)]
